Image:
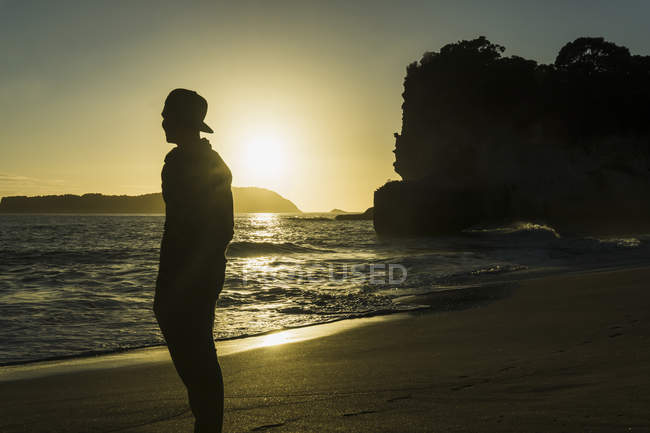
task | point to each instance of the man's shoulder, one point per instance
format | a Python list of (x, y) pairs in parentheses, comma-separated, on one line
[(216, 158), (200, 161), (221, 171), (172, 155)]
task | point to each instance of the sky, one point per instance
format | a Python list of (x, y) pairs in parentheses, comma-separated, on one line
[(304, 96)]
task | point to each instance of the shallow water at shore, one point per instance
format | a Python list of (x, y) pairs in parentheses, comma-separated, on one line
[(83, 284)]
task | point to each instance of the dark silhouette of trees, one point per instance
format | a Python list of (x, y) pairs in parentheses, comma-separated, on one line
[(593, 55)]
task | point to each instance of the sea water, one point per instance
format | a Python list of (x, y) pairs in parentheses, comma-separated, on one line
[(75, 285)]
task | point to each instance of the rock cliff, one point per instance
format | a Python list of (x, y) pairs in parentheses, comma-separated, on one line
[(487, 138)]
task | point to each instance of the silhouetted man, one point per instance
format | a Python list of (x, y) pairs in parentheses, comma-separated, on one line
[(198, 227)]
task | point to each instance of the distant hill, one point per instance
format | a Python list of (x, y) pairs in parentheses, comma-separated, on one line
[(246, 199), (251, 199)]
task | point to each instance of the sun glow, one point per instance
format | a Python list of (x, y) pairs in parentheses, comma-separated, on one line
[(265, 155)]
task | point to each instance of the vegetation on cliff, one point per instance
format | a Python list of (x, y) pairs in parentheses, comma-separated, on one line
[(488, 137)]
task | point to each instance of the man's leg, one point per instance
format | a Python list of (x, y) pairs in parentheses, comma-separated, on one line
[(206, 394), (192, 350), (189, 337)]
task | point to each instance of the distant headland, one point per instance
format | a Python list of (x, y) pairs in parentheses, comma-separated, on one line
[(487, 138), (246, 199)]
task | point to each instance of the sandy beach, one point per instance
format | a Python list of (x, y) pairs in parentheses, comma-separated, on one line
[(562, 353)]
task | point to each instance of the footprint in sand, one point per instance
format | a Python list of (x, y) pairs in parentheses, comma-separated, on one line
[(458, 388), (403, 397), (363, 412), (267, 426)]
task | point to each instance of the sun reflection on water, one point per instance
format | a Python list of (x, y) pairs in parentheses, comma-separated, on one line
[(258, 264), (264, 226)]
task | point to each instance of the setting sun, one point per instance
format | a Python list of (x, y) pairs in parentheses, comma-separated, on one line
[(264, 155)]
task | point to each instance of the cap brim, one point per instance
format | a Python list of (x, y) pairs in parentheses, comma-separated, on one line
[(205, 128)]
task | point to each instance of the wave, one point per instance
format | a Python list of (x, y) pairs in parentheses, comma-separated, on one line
[(620, 242), (82, 354), (66, 256), (257, 249), (517, 228), (499, 269)]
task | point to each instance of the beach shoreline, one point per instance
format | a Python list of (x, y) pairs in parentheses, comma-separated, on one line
[(440, 300), (561, 353), (138, 357)]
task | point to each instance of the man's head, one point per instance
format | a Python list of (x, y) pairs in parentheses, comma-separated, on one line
[(183, 115)]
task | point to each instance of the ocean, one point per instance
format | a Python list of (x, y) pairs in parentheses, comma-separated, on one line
[(75, 285)]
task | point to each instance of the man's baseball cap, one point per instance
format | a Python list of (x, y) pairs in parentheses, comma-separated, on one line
[(186, 107)]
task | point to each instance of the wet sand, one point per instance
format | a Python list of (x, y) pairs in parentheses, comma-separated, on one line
[(563, 353)]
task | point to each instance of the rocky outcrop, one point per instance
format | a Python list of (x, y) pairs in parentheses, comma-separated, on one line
[(367, 215), (487, 138), (246, 199)]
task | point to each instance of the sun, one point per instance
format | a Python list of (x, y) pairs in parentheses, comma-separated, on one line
[(264, 155)]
